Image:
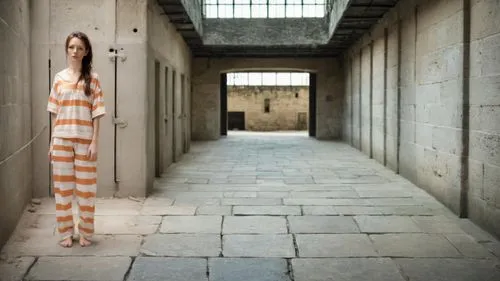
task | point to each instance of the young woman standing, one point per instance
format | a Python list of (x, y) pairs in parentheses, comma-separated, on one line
[(76, 104)]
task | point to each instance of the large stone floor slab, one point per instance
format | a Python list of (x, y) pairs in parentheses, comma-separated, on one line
[(126, 224), (254, 225), (80, 268), (42, 242), (168, 269), (182, 245), (341, 269), (14, 269), (268, 245), (414, 245), (191, 224), (335, 245), (263, 206), (386, 224), (322, 224), (267, 210), (248, 269), (450, 269)]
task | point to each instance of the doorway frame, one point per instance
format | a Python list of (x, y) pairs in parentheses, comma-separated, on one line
[(312, 103)]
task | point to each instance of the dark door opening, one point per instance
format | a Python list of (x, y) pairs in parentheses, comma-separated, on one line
[(174, 116), (236, 120), (312, 104), (223, 104), (158, 138)]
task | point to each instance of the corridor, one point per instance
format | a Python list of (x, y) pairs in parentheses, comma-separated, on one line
[(263, 207)]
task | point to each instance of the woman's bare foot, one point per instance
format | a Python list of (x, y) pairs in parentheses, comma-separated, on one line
[(66, 243), (84, 242)]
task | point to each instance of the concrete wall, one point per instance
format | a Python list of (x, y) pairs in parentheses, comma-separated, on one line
[(15, 114), (167, 48), (130, 42), (408, 85), (206, 91), (284, 106), (263, 31)]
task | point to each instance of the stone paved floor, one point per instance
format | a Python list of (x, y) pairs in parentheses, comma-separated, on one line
[(263, 207)]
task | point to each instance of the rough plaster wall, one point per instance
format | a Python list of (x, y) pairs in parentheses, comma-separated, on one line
[(484, 160), (167, 47), (206, 91), (286, 31), (15, 114), (284, 106), (430, 74)]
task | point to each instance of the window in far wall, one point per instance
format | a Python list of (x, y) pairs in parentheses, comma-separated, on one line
[(268, 79), (267, 105)]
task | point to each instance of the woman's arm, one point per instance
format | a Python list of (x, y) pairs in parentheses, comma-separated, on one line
[(53, 117), (92, 153)]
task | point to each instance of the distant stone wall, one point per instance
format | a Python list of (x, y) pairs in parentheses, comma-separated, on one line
[(287, 105)]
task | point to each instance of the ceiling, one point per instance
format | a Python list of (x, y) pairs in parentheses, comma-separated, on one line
[(358, 18)]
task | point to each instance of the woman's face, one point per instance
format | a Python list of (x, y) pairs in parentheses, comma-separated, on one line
[(76, 50)]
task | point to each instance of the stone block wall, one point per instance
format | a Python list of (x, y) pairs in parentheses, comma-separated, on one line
[(484, 115), (16, 135), (286, 102), (421, 98)]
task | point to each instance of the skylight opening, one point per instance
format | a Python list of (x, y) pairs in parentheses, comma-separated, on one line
[(264, 8)]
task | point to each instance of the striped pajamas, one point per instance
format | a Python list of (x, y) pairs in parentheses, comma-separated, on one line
[(74, 174)]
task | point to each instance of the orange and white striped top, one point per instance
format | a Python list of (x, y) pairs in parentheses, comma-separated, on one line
[(75, 111)]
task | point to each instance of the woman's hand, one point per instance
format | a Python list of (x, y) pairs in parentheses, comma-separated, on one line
[(92, 152), (50, 151)]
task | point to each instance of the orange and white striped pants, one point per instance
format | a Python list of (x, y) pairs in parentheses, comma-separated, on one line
[(74, 174)]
